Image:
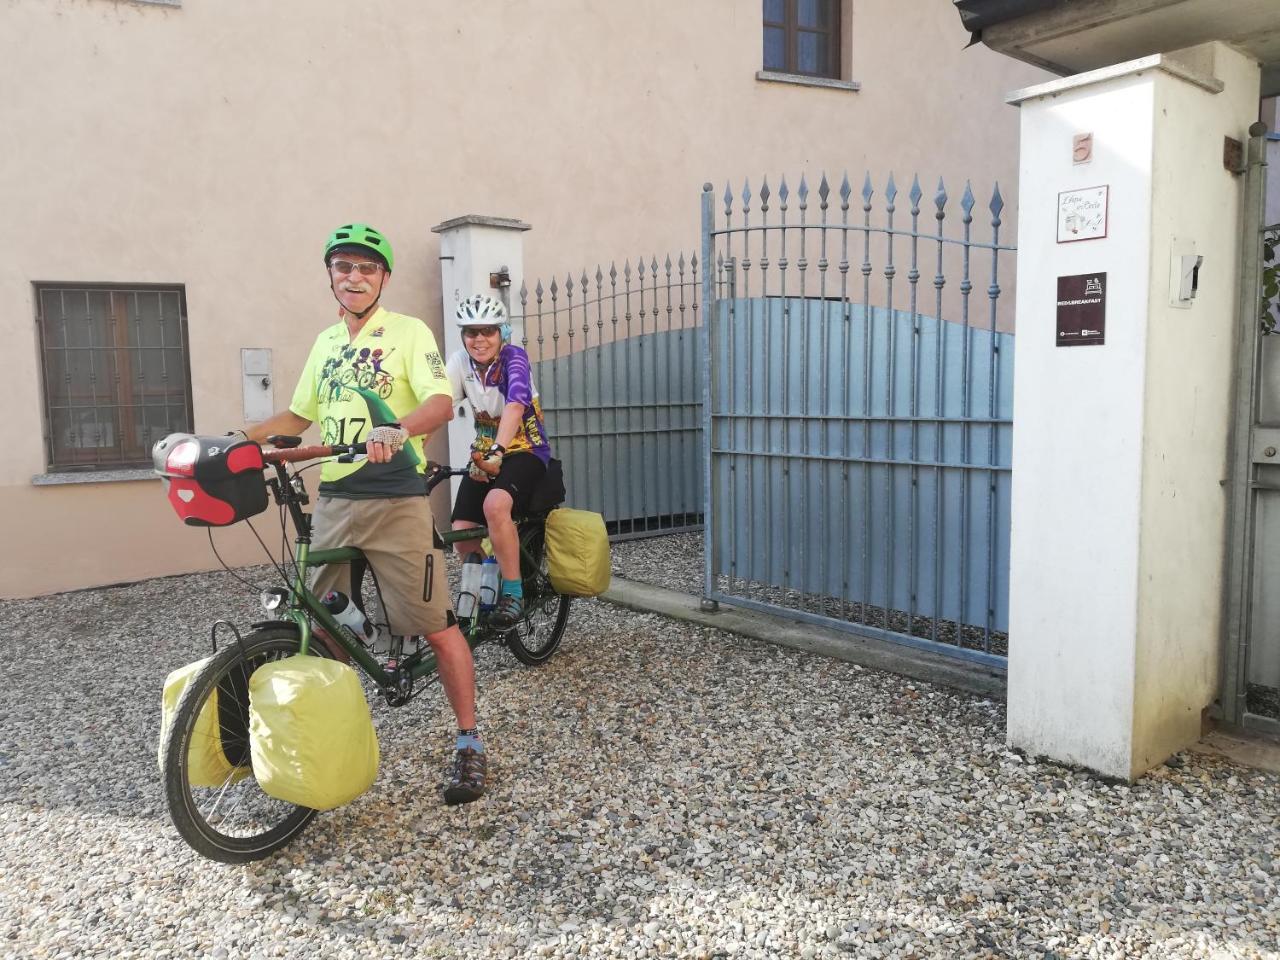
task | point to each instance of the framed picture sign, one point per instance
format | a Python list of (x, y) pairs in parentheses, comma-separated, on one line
[(1082, 214)]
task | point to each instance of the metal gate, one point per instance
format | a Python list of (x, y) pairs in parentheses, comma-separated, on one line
[(858, 413), (1251, 663), (617, 361)]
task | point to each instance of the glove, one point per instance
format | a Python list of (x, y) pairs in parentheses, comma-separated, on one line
[(485, 464), (391, 434)]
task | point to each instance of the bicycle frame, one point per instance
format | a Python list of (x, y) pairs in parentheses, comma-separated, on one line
[(304, 607)]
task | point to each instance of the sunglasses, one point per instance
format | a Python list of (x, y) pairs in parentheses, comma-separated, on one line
[(366, 269), (479, 331)]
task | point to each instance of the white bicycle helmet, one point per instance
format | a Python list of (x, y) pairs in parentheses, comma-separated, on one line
[(482, 311)]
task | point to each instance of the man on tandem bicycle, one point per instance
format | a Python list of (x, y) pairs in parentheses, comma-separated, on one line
[(379, 505)]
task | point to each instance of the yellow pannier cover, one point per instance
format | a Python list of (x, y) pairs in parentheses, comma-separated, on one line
[(207, 764), (310, 732), (577, 552)]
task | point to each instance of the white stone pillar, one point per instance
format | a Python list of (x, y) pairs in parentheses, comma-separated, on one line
[(477, 255), (1119, 452)]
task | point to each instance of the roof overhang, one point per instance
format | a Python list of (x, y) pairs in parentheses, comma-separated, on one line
[(1073, 36)]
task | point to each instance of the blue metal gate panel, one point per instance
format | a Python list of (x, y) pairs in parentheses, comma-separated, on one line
[(626, 421), (827, 491), (858, 414)]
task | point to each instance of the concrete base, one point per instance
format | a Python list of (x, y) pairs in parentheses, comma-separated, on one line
[(875, 654)]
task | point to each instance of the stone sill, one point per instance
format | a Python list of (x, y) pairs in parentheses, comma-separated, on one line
[(799, 79), (93, 476)]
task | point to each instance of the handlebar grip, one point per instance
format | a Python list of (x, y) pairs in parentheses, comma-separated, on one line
[(317, 452)]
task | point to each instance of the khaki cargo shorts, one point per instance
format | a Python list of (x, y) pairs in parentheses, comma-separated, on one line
[(399, 538)]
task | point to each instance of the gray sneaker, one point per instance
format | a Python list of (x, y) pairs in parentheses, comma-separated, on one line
[(467, 783), (508, 613)]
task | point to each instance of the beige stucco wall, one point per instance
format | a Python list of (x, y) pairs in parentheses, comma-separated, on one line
[(214, 144)]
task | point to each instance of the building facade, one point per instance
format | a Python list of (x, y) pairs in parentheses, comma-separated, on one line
[(178, 165)]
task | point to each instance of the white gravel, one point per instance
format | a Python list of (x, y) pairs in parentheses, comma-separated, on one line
[(673, 562), (658, 790)]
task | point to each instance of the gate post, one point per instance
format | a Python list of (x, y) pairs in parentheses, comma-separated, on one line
[(1123, 398), (477, 255), (708, 308)]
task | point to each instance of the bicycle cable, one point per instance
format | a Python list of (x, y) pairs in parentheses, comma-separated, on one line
[(286, 556), (267, 550), (214, 547), (284, 539)]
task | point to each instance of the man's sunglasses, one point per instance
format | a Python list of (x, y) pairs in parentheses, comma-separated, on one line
[(367, 268)]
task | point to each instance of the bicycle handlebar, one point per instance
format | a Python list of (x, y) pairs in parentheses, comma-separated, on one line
[(436, 473), (317, 452)]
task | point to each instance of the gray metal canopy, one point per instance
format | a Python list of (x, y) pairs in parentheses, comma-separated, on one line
[(1072, 36)]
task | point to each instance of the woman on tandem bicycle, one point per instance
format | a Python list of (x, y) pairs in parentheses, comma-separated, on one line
[(492, 374)]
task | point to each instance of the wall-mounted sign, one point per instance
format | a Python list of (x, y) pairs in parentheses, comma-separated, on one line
[(1082, 214), (1082, 310)]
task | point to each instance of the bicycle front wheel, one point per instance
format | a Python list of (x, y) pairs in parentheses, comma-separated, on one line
[(224, 815), (537, 636)]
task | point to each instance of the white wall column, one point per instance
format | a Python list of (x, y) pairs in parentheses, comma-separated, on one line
[(1120, 436), (477, 255)]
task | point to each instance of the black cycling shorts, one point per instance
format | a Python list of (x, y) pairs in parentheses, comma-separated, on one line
[(519, 476)]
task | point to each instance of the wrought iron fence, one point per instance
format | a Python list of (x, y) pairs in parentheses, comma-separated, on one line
[(858, 434), (617, 360)]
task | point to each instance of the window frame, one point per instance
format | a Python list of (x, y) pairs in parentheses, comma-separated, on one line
[(791, 33), (124, 390)]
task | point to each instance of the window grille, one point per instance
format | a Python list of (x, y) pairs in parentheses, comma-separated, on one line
[(116, 372), (802, 37)]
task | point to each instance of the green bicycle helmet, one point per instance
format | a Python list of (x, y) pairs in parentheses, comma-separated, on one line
[(359, 236)]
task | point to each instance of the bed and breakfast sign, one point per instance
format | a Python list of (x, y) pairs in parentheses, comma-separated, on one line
[(1082, 310)]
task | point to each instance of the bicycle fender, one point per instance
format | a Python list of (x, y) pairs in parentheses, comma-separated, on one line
[(263, 624)]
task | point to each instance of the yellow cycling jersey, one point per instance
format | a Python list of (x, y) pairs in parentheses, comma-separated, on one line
[(349, 387)]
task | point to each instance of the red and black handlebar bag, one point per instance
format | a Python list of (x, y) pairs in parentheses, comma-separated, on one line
[(211, 481)]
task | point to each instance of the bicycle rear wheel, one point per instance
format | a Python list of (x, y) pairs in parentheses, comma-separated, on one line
[(537, 636), (231, 821)]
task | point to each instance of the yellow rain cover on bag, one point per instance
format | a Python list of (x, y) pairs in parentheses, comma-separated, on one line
[(207, 763), (310, 732), (577, 552)]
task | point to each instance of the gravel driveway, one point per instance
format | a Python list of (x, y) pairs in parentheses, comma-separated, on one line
[(658, 789)]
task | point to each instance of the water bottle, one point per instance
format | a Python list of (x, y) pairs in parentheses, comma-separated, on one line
[(469, 589), (349, 615), (489, 583)]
